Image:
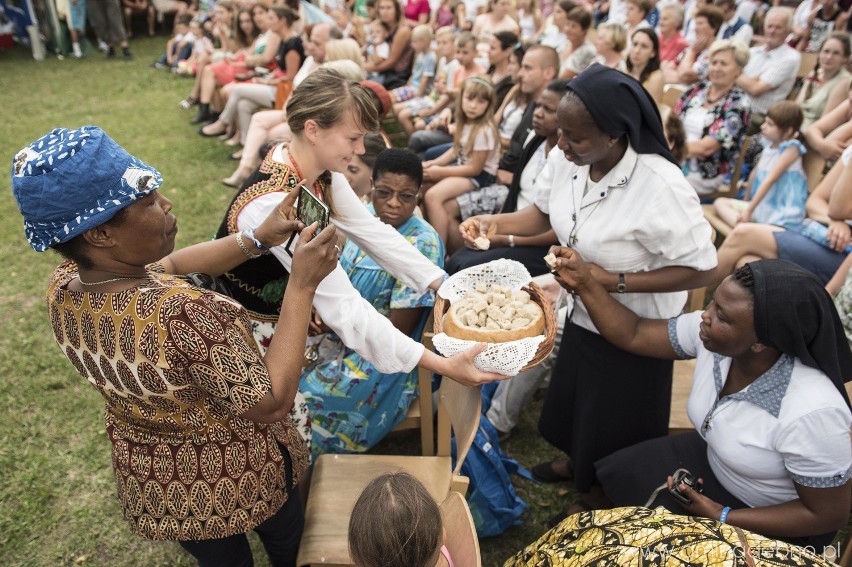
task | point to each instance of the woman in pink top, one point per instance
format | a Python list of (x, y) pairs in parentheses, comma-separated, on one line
[(417, 12), (672, 42)]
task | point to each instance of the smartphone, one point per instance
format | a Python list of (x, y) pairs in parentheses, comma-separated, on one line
[(310, 209)]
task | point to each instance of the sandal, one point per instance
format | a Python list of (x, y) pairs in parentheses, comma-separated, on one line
[(188, 102), (543, 472), (236, 156)]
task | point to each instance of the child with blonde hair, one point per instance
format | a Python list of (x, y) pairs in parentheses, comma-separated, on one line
[(471, 163), (438, 98), (396, 523), (423, 69), (777, 188), (377, 48)]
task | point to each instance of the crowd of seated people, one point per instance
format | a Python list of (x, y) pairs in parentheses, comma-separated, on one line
[(542, 122), (475, 102)]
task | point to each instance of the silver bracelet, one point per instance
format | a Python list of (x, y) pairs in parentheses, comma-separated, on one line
[(244, 248)]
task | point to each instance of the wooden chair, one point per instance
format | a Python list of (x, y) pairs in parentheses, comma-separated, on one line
[(338, 480), (731, 189), (461, 540), (807, 63), (806, 66), (672, 94), (722, 228), (814, 166), (282, 94), (421, 412), (681, 386)]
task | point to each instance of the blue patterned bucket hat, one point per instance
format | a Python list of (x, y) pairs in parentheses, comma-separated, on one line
[(69, 181)]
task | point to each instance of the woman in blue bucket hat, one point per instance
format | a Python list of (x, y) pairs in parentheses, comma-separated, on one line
[(202, 446)]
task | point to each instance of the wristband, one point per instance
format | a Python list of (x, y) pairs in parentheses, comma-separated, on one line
[(723, 517), (249, 233), (511, 241), (244, 248)]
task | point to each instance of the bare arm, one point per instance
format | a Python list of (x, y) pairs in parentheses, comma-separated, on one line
[(215, 257), (529, 221), (839, 233), (816, 511), (498, 115), (615, 322), (670, 278), (285, 356), (544, 239), (292, 63), (445, 158), (425, 82), (471, 169), (817, 133), (685, 73), (400, 42), (838, 94), (703, 148), (269, 51), (840, 199)]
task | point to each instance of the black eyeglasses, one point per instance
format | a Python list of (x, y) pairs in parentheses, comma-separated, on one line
[(385, 195)]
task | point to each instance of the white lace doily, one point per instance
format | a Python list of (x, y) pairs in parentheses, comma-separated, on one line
[(504, 358)]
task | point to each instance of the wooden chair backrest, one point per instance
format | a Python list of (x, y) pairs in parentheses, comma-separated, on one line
[(461, 541), (672, 94), (806, 64), (731, 190), (738, 168), (421, 412), (462, 406), (282, 94)]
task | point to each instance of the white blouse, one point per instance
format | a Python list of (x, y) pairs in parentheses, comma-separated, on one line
[(641, 216), (340, 306)]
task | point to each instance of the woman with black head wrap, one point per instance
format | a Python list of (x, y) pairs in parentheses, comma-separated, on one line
[(768, 402), (612, 191)]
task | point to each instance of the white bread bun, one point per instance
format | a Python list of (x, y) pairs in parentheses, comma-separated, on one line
[(497, 315)]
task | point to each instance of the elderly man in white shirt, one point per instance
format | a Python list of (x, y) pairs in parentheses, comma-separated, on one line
[(771, 70)]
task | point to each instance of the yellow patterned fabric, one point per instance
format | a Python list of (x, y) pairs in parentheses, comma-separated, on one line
[(639, 536), (176, 366)]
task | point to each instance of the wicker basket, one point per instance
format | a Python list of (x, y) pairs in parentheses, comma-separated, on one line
[(537, 295)]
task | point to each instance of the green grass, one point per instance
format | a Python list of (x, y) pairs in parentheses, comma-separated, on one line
[(57, 499)]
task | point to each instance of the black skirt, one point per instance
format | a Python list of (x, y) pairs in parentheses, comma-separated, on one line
[(602, 399), (631, 475)]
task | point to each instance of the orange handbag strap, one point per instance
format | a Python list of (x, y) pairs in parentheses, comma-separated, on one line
[(282, 93)]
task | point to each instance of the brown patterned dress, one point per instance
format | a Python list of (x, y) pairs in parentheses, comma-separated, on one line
[(177, 365)]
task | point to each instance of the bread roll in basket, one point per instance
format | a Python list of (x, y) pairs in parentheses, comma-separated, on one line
[(494, 315), (545, 325)]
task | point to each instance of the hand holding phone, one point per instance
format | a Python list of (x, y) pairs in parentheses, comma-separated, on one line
[(311, 209)]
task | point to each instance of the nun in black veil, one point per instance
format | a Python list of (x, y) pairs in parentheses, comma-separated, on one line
[(612, 191), (768, 402)]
